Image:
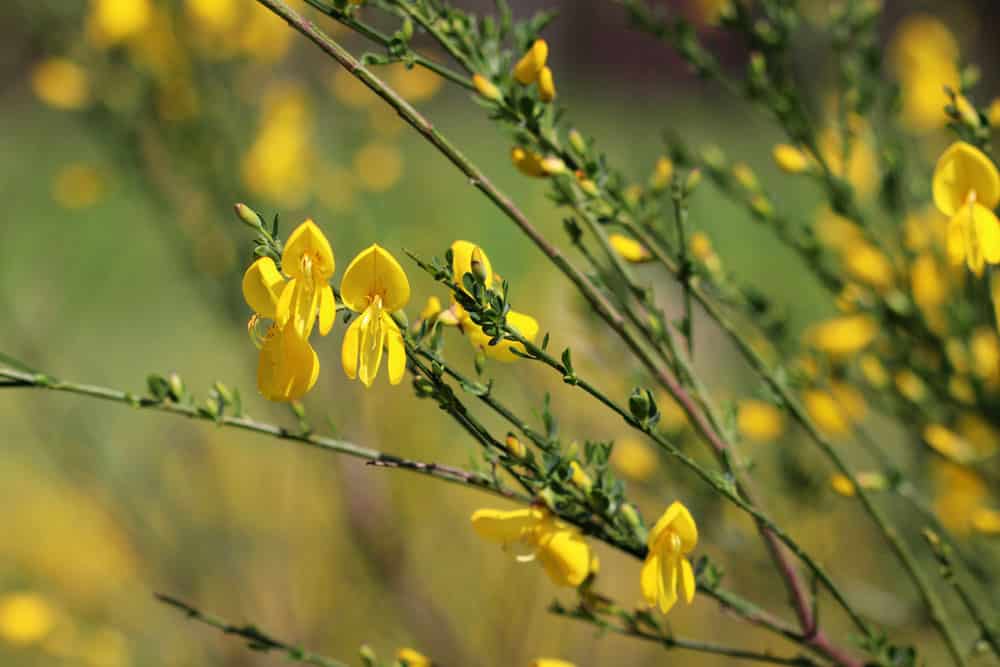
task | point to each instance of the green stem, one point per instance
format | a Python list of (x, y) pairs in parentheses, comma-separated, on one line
[(374, 457), (257, 640)]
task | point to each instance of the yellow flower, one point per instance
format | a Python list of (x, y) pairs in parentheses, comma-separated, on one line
[(966, 188), (214, 15), (928, 282), (673, 537), (530, 66), (949, 444), (910, 385), (865, 263), (416, 84), (826, 413), (25, 618), (288, 366), (633, 459), (432, 308), (514, 446), (487, 88), (843, 336), (374, 285), (842, 485), (535, 533), (662, 173), (985, 349), (61, 83), (114, 21), (873, 370), (412, 658), (923, 53), (790, 159), (469, 258), (535, 165), (871, 481), (629, 249), (308, 261), (378, 166), (759, 421), (78, 185), (959, 493), (279, 163), (986, 521), (579, 477), (551, 662)]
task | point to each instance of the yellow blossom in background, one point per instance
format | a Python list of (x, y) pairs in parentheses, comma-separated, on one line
[(984, 348), (337, 188), (843, 336), (279, 163), (534, 533), (923, 53), (535, 165), (78, 186), (672, 415), (412, 658), (870, 481), (949, 444), (432, 308), (873, 370), (925, 228), (415, 84), (910, 385), (674, 536), (514, 446), (861, 168), (986, 521), (378, 166), (851, 401), (213, 15), (551, 662), (61, 83), (25, 618), (826, 413), (375, 286), (966, 188), (662, 173), (980, 432), (579, 477), (790, 159), (263, 35), (836, 231), (928, 282), (866, 263), (842, 485), (349, 90), (113, 21), (629, 249), (959, 492), (759, 421), (633, 459), (744, 176)]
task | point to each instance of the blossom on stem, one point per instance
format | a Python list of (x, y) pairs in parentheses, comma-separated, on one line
[(673, 537), (375, 286), (966, 188), (308, 260), (534, 533)]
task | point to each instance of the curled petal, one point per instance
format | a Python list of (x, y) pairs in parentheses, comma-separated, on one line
[(371, 344), (505, 527), (283, 311), (396, 351), (375, 272), (461, 261), (349, 349), (649, 579), (288, 366), (308, 240), (566, 557), (327, 310), (687, 580), (667, 584), (262, 286), (530, 65), (525, 325)]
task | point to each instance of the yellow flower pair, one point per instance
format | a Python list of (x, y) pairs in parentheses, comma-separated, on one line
[(374, 285), (536, 534), (531, 68)]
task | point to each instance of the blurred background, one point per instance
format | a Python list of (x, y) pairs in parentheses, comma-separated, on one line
[(130, 127)]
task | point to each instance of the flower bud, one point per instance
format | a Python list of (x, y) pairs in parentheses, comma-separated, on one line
[(487, 88), (225, 394), (553, 166), (631, 515), (176, 385), (790, 159), (638, 404), (546, 86), (527, 69), (578, 143), (692, 181), (248, 216), (478, 265), (580, 478), (514, 446), (662, 174)]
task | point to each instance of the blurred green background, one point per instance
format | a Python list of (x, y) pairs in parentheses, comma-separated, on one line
[(121, 257)]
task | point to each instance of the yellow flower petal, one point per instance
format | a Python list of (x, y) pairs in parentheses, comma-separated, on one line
[(308, 244), (525, 325), (667, 584), (505, 527), (396, 351), (262, 286), (327, 310), (283, 311), (61, 83), (546, 86), (461, 262), (678, 519), (629, 249), (349, 349), (843, 336), (649, 579), (565, 555), (412, 658), (375, 272), (962, 169), (688, 585), (759, 421), (551, 662)]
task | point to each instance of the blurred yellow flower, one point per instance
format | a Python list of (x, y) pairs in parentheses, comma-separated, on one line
[(871, 481), (338, 188), (949, 444), (790, 159), (432, 308), (873, 370), (378, 166), (530, 65), (213, 15), (980, 432), (350, 91), (866, 264), (910, 386), (514, 446), (546, 85), (986, 521), (928, 282), (826, 413), (279, 163), (535, 165), (487, 88), (633, 459), (662, 173), (412, 658), (966, 188), (836, 231), (759, 421), (61, 83), (113, 21), (264, 36), (78, 185), (25, 618), (842, 485), (535, 533), (375, 286), (984, 347), (923, 53), (959, 492), (579, 477), (672, 415), (416, 84), (674, 536), (861, 168), (629, 249), (843, 336)]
